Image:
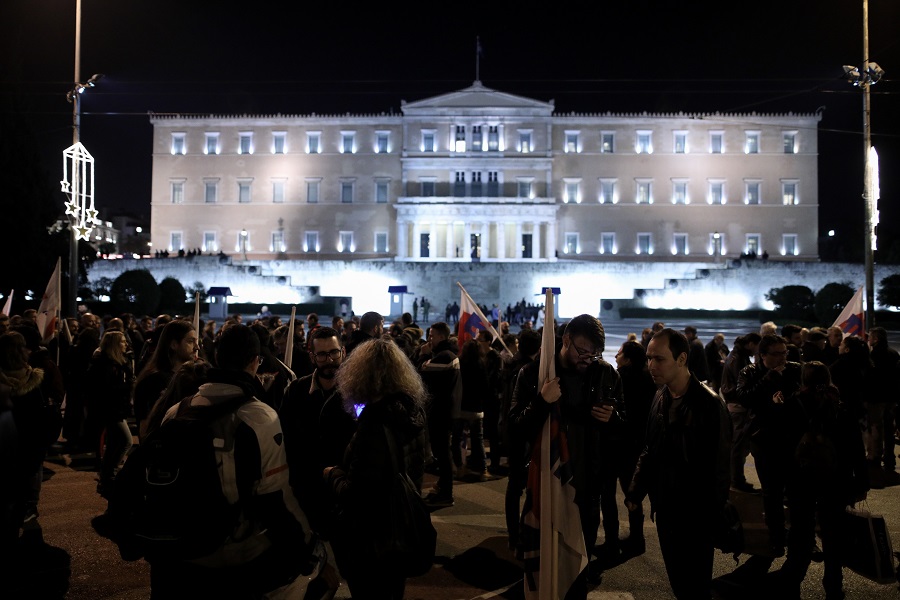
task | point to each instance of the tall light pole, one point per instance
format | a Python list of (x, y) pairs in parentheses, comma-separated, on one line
[(865, 76), (80, 185)]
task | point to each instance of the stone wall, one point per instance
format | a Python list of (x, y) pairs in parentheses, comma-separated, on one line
[(592, 287)]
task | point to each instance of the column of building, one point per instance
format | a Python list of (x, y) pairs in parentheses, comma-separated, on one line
[(536, 239)]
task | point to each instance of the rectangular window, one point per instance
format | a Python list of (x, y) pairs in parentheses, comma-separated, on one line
[(428, 188), (311, 241), (524, 188), (242, 244), (643, 192), (789, 245), (607, 142), (493, 186), (680, 244), (209, 242), (277, 244), (572, 141), (608, 191), (493, 138), (608, 243), (279, 139), (643, 142), (346, 192), (345, 242), (178, 148), (348, 142), (428, 141), (716, 142), (176, 241), (751, 142), (716, 244), (477, 140), (278, 191), (572, 246), (424, 245), (525, 142), (751, 194), (312, 192), (381, 241), (716, 193), (245, 145), (459, 140), (477, 188), (572, 191), (243, 192), (679, 192), (790, 142), (459, 184), (177, 192), (789, 193), (753, 244), (527, 245), (210, 191), (313, 142), (644, 244), (381, 192), (382, 142), (212, 143), (680, 142)]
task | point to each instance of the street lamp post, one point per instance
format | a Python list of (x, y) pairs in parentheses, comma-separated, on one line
[(865, 76)]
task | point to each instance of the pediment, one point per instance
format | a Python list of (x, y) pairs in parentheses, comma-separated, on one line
[(476, 97)]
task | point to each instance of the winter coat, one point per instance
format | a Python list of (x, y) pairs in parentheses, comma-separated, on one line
[(109, 389), (28, 415)]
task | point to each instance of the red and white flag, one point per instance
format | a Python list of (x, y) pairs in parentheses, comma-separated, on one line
[(472, 320), (553, 545), (852, 320), (48, 311), (7, 307)]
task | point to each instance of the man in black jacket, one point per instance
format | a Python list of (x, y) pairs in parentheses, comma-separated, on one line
[(684, 466), (589, 393), (439, 367), (371, 326)]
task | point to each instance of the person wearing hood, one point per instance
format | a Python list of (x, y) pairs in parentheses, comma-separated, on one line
[(380, 381), (24, 383)]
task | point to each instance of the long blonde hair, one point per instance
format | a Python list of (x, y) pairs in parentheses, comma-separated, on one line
[(109, 345), (378, 368)]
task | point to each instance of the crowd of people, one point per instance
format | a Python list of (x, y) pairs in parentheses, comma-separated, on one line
[(669, 414)]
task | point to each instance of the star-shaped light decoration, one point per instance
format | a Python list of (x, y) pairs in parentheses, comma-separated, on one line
[(82, 233), (91, 216), (72, 208)]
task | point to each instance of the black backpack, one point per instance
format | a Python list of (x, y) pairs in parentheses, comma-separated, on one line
[(169, 501), (815, 456)]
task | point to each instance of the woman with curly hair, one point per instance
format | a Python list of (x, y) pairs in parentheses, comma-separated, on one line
[(379, 383), (110, 379)]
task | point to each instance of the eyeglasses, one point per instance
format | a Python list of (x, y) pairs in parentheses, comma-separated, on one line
[(332, 354), (588, 354)]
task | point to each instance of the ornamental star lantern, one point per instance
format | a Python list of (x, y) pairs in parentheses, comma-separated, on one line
[(78, 183)]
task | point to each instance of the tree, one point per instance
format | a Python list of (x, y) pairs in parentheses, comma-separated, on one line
[(889, 291), (198, 287), (793, 302), (831, 300), (136, 292), (172, 295)]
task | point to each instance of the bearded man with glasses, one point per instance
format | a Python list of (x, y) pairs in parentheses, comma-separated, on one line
[(316, 427), (589, 393)]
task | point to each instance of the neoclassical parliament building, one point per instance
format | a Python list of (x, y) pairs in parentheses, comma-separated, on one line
[(483, 175)]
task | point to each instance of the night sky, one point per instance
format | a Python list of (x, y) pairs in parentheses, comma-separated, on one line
[(199, 57)]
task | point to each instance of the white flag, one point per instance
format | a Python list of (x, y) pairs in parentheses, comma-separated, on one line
[(852, 319), (7, 308), (50, 305)]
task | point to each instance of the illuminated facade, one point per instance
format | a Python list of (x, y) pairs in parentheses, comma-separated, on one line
[(480, 174)]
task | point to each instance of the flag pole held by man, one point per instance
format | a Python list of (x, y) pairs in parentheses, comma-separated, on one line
[(569, 401)]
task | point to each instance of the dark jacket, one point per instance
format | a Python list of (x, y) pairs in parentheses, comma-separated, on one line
[(109, 389), (638, 391), (697, 360), (357, 338), (440, 374), (590, 441), (755, 389), (360, 485), (852, 376), (685, 464), (737, 359), (885, 374)]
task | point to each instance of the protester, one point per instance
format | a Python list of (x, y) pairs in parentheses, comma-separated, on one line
[(380, 378), (745, 348), (684, 466)]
